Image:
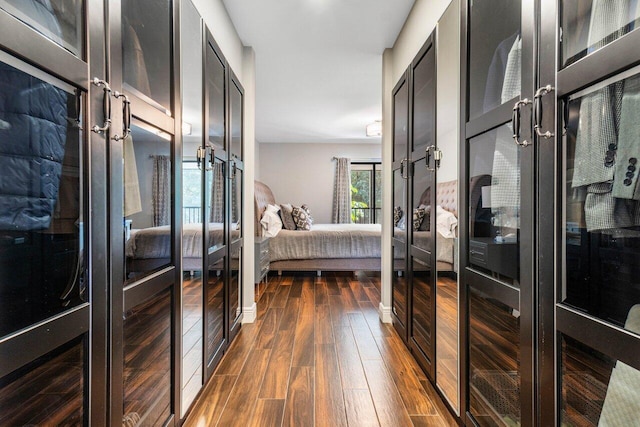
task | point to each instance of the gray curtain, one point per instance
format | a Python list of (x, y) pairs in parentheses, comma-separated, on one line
[(342, 192), (216, 214), (161, 188)]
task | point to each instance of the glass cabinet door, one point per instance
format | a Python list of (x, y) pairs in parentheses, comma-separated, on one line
[(498, 243), (601, 250), (51, 279), (595, 235), (216, 83), (423, 112), (44, 283), (400, 238), (146, 51), (495, 49), (59, 21), (148, 228), (215, 247), (592, 24)]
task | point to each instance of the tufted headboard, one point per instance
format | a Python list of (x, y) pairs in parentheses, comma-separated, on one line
[(447, 196), (263, 197)]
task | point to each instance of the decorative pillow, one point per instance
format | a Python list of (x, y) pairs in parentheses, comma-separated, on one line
[(418, 216), (287, 218), (301, 218), (270, 221), (397, 215), (426, 221), (308, 211)]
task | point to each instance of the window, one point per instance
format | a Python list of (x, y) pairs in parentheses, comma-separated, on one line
[(366, 193), (191, 195)]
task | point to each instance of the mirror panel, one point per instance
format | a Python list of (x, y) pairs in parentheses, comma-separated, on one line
[(448, 137), (192, 138)]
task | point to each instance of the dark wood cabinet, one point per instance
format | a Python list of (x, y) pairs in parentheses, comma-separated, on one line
[(414, 276)]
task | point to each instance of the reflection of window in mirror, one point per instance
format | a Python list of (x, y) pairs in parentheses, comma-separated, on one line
[(146, 200)]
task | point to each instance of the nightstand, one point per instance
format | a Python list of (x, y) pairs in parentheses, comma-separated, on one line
[(501, 258), (261, 264)]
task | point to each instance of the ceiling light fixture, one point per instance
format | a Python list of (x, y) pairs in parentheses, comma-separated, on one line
[(186, 128), (375, 128)]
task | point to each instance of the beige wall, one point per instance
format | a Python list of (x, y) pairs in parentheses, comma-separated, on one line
[(304, 173)]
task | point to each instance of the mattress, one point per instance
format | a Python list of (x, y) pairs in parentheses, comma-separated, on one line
[(445, 247), (327, 241), (155, 242)]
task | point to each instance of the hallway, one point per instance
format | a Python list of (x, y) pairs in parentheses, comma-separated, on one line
[(318, 355)]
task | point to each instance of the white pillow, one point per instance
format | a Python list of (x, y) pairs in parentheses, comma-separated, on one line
[(270, 221), (446, 222)]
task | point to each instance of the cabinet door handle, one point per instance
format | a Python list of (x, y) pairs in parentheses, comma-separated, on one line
[(515, 122), (402, 169), (537, 111), (126, 116), (106, 105), (437, 157)]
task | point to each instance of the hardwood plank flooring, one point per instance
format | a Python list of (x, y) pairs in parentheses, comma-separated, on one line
[(318, 355)]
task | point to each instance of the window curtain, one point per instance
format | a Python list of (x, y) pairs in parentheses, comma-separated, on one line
[(161, 188), (342, 192), (132, 200), (217, 193)]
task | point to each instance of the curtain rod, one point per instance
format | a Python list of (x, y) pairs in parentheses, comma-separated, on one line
[(370, 160)]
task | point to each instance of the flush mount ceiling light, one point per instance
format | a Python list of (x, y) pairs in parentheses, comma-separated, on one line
[(375, 128)]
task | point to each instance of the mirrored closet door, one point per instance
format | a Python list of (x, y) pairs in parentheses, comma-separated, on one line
[(215, 196), (448, 137), (424, 160), (192, 206)]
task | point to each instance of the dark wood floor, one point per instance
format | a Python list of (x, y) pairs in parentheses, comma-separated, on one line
[(319, 355)]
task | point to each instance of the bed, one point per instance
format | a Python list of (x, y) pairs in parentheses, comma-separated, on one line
[(150, 248), (342, 247)]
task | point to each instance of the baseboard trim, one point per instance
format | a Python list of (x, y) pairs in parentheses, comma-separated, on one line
[(385, 313), (250, 313)]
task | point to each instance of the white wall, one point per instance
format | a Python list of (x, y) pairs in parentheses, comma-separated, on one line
[(420, 23), (217, 19), (250, 147), (304, 173)]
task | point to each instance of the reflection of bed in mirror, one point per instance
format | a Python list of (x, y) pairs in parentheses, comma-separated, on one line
[(446, 244), (150, 248)]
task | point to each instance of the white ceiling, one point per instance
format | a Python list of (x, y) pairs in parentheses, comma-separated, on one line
[(318, 64)]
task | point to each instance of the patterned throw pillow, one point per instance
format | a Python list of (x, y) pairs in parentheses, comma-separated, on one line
[(287, 218), (308, 211), (426, 222), (397, 215), (301, 218), (418, 216)]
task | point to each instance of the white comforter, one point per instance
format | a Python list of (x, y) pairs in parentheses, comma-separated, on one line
[(327, 241)]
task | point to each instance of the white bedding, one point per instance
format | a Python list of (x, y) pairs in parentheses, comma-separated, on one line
[(155, 242), (327, 241)]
